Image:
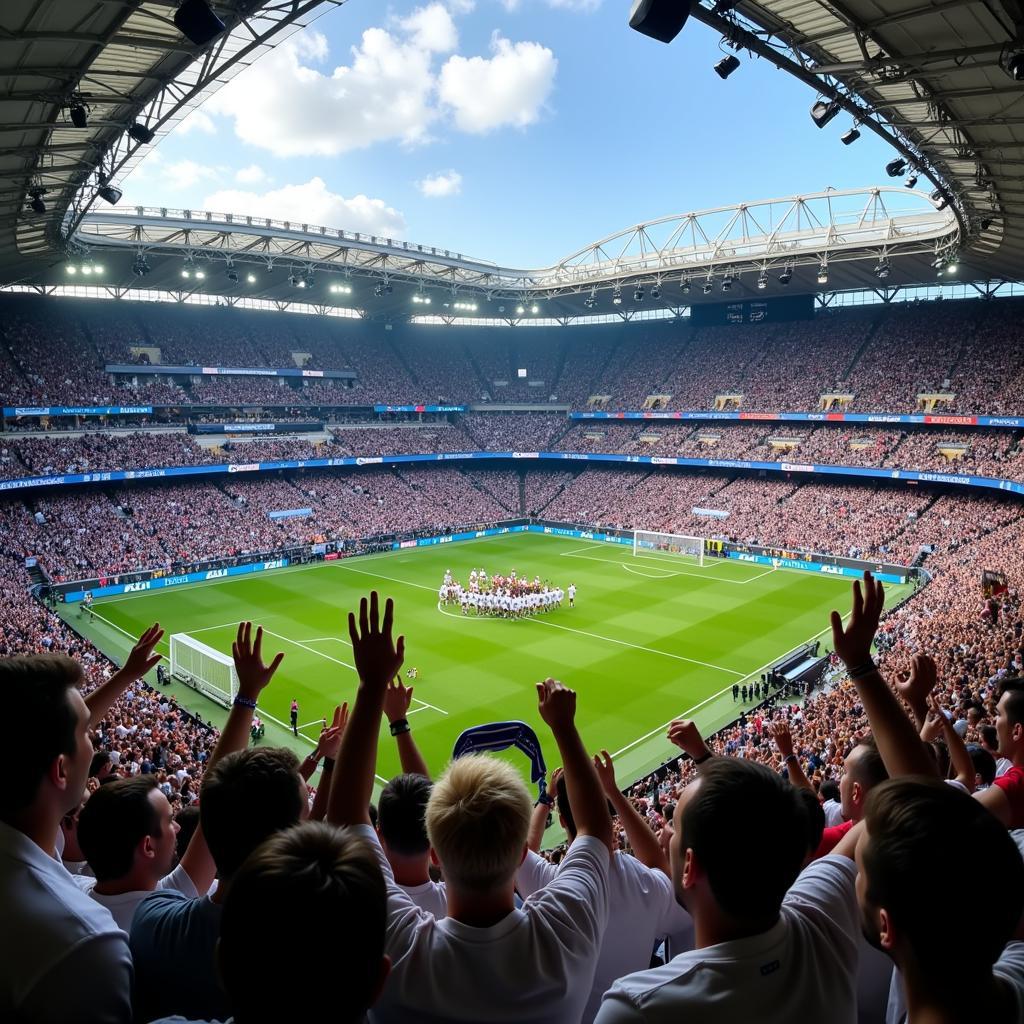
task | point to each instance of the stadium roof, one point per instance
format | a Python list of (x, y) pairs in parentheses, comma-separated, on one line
[(933, 80), (116, 61), (939, 79)]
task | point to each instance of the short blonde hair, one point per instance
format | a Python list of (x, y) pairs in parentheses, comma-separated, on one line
[(477, 820)]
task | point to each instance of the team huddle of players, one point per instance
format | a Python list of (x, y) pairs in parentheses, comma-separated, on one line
[(508, 597)]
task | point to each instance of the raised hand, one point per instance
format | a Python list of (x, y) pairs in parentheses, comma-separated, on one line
[(779, 732), (557, 704), (397, 700), (606, 773), (330, 737), (247, 652), (683, 732), (377, 656), (916, 689), (853, 643), (141, 658)]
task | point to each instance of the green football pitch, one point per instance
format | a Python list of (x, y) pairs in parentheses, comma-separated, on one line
[(650, 639)]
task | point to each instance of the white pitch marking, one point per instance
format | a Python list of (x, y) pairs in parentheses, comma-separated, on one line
[(639, 572)]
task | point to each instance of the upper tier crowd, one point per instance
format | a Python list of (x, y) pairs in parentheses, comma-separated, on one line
[(54, 352)]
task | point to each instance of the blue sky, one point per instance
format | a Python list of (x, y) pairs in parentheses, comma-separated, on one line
[(511, 130)]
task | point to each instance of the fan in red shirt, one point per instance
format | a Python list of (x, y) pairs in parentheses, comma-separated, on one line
[(862, 771), (1005, 798)]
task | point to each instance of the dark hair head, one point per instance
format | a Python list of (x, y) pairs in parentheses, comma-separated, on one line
[(37, 686), (401, 812), (830, 790), (187, 820), (114, 820), (989, 736), (919, 827), (815, 817), (320, 883), (984, 763), (734, 800), (1014, 705), (869, 769), (99, 761), (246, 797)]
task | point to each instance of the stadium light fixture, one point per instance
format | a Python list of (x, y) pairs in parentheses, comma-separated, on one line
[(727, 65), (520, 311), (37, 205), (1013, 64), (71, 269), (727, 282), (787, 274), (197, 22), (911, 181), (617, 296), (140, 133), (851, 136), (186, 273), (638, 294), (684, 285), (79, 114), (660, 19), (823, 111), (823, 273), (896, 168), (250, 278), (533, 309), (231, 274), (140, 265), (110, 194), (656, 291), (87, 270), (762, 281), (882, 270), (938, 199), (707, 287), (200, 275)]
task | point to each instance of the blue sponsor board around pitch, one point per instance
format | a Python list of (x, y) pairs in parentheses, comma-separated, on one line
[(162, 582), (806, 566)]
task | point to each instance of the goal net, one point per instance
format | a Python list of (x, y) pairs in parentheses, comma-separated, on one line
[(668, 546), (201, 667)]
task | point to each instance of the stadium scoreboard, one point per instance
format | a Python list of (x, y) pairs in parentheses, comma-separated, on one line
[(753, 311)]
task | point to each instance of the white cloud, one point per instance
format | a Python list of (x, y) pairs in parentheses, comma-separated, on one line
[(432, 29), (435, 186), (312, 203), (461, 6), (509, 88), (285, 105), (196, 121), (251, 175), (584, 6)]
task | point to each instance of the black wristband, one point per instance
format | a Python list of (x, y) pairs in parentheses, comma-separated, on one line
[(703, 758), (399, 725), (864, 669), (244, 702), (328, 764), (546, 799)]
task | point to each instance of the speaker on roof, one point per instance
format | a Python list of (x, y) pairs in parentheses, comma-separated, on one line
[(196, 20), (659, 19)]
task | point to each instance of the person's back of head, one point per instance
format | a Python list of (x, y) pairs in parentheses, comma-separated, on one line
[(830, 790), (477, 820), (921, 831), (731, 800), (187, 820), (246, 797), (321, 890), (122, 820), (40, 688), (815, 820), (984, 764), (401, 815)]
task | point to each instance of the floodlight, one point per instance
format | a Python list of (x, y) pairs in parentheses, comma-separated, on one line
[(660, 19), (79, 115), (727, 65), (638, 294), (71, 269), (110, 194), (656, 291), (232, 275), (895, 168), (786, 276), (200, 275), (197, 22), (250, 278), (851, 136), (762, 280), (707, 287), (823, 274), (911, 181), (823, 111), (140, 133), (37, 204)]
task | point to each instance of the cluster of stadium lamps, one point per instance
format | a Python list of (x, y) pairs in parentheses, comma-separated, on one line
[(85, 269)]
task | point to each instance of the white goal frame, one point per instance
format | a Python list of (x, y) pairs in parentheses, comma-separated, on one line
[(651, 544), (204, 669)]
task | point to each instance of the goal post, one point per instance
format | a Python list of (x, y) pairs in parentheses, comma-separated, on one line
[(203, 668), (669, 546)]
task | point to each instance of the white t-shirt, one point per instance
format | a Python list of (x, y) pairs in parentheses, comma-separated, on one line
[(430, 896), (535, 966), (122, 906), (804, 968), (641, 912), (833, 813)]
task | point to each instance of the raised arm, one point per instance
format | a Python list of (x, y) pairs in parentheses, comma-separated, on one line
[(959, 756), (646, 847), (397, 700), (330, 742), (899, 745), (917, 687), (139, 661), (683, 732), (541, 810), (253, 678), (589, 808), (378, 660), (779, 732)]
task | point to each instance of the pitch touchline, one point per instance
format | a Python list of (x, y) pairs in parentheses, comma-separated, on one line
[(714, 696)]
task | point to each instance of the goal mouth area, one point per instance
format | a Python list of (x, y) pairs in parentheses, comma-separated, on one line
[(668, 547), (207, 670)]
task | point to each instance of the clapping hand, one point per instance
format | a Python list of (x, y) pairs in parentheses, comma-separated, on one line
[(330, 737)]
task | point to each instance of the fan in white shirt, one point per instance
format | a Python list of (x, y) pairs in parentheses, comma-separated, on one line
[(642, 910), (487, 960), (756, 947), (127, 832)]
